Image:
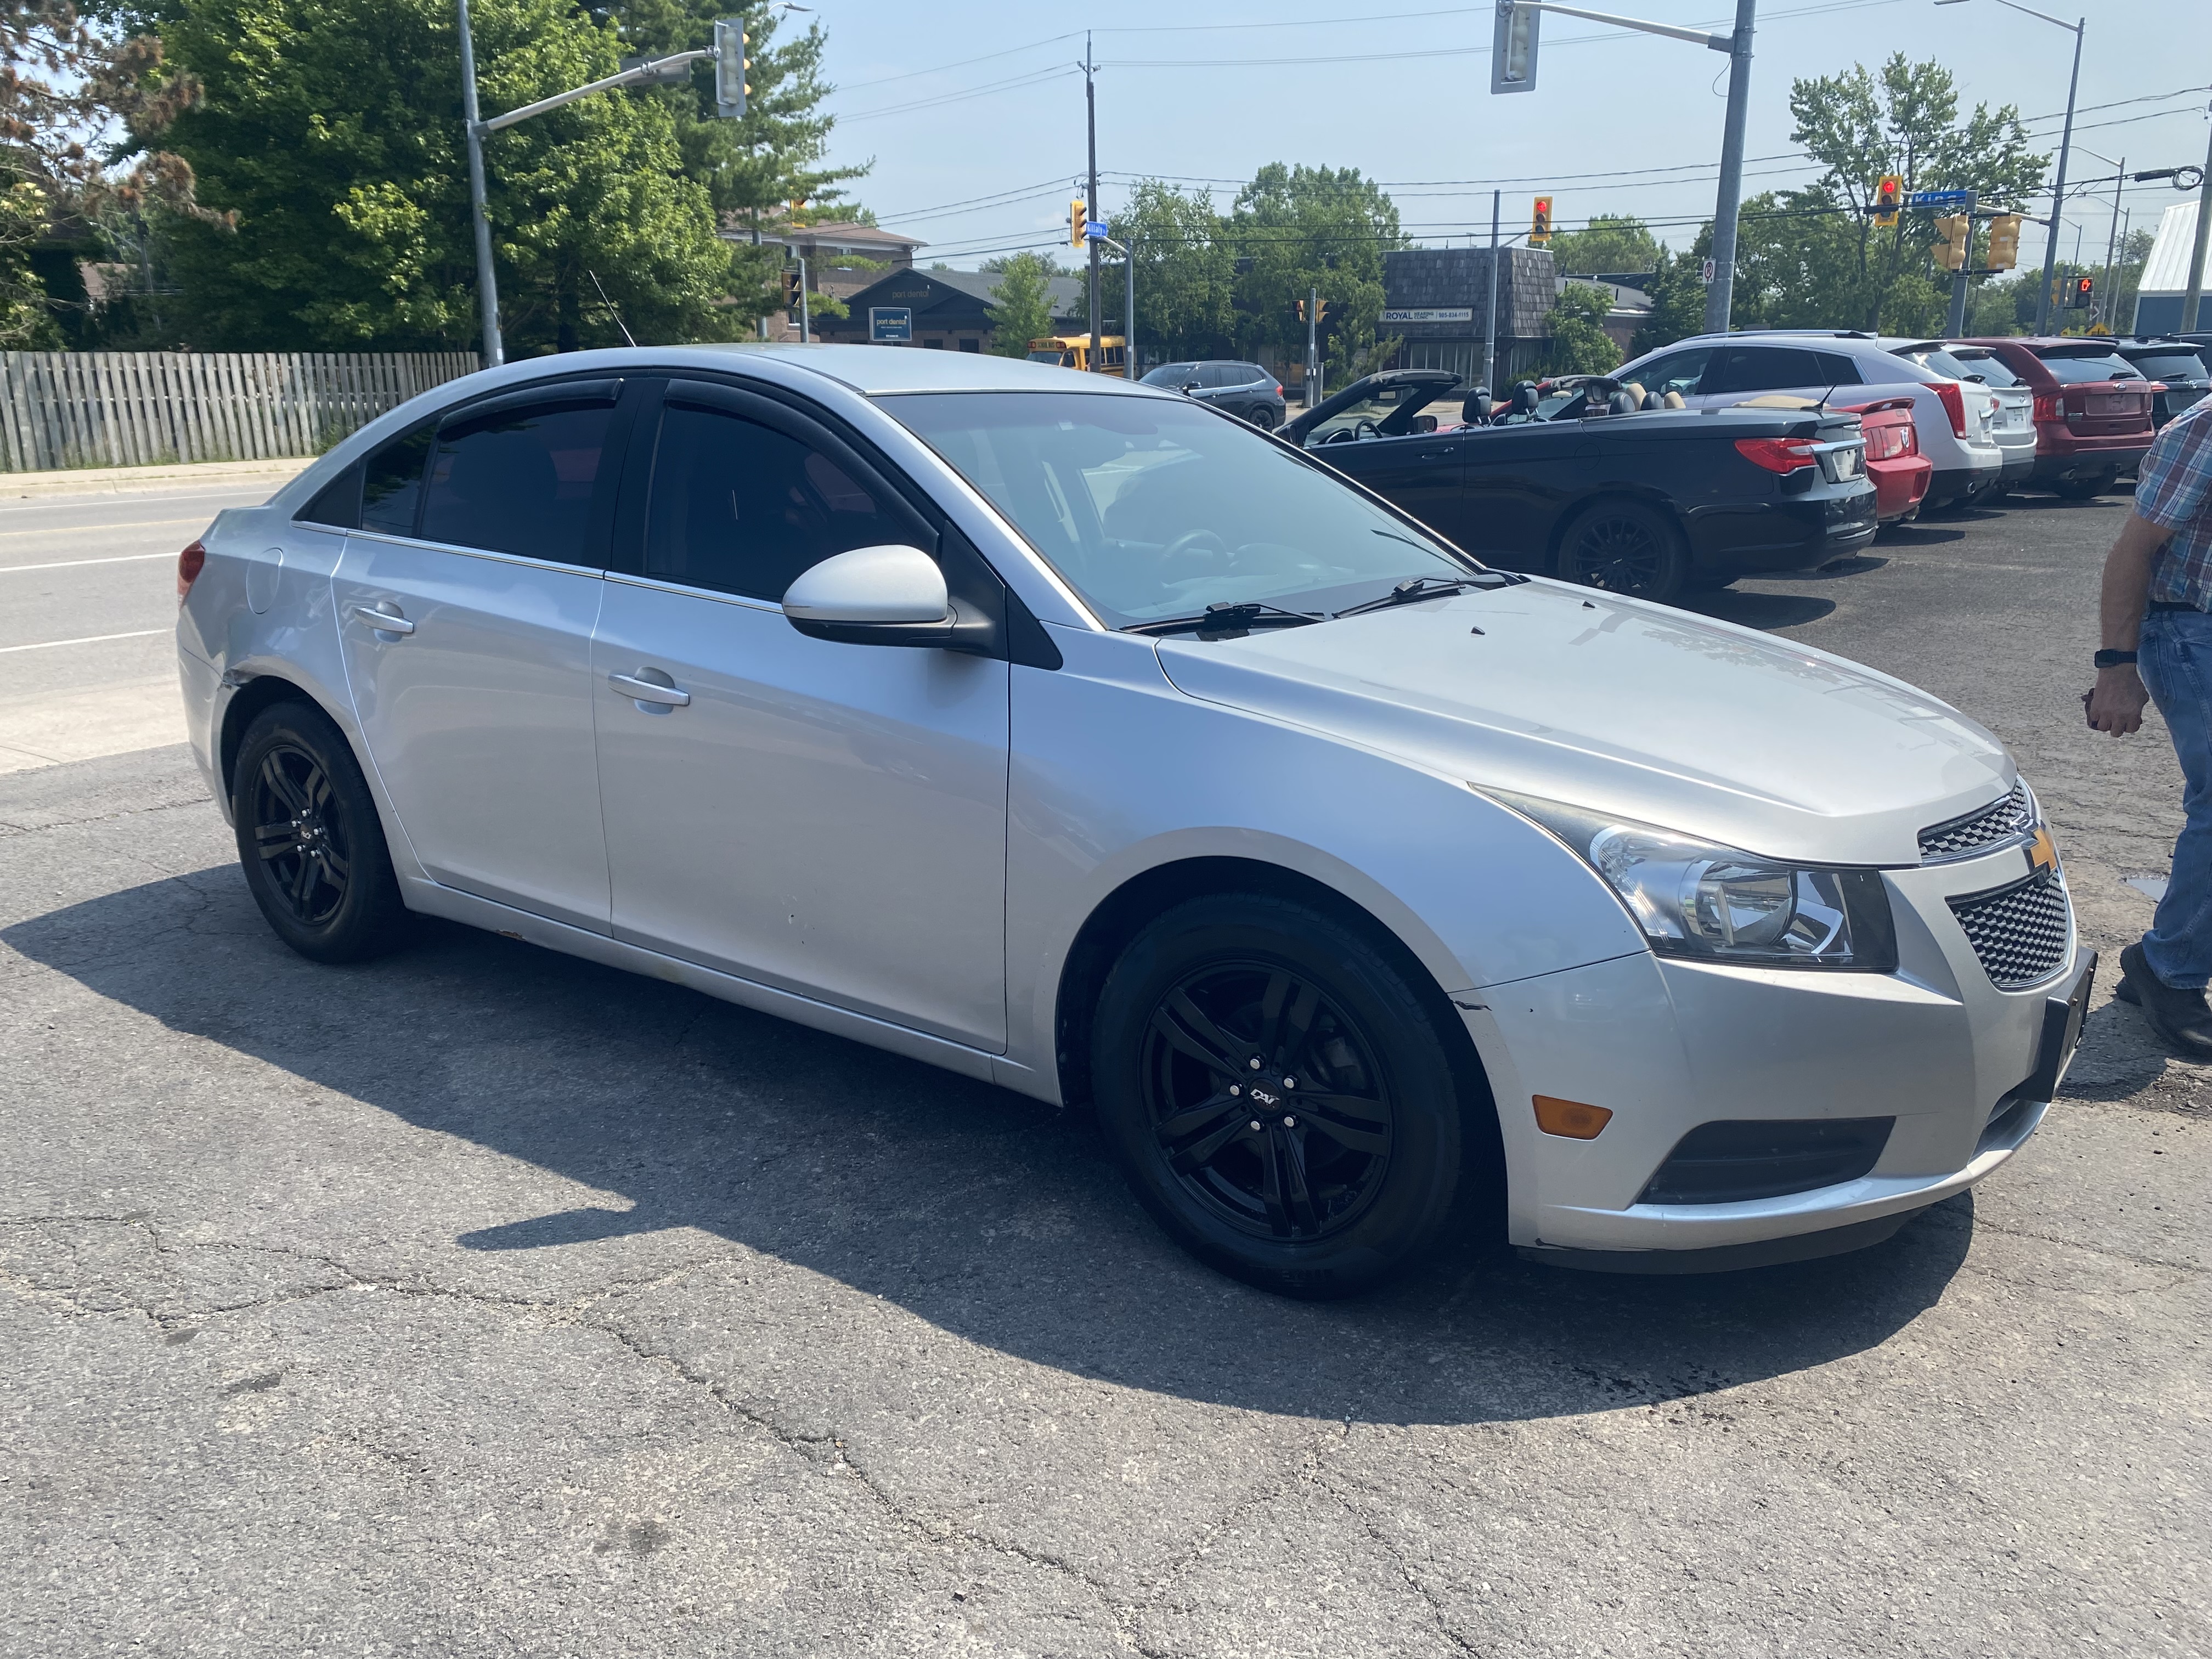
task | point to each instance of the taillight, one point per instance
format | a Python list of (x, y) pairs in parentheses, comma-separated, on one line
[(1777, 454), (1955, 406), (1886, 443), (2046, 408), (189, 565), (1908, 440)]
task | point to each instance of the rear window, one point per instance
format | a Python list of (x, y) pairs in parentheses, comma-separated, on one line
[(2171, 365), (1993, 369), (1940, 362), (2071, 368)]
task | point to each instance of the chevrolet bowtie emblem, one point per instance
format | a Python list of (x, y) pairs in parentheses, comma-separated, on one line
[(2042, 851)]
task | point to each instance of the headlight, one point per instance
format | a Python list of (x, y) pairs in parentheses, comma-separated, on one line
[(1719, 904)]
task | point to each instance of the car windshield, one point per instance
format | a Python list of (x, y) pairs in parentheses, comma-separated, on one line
[(1177, 375), (1374, 408), (1153, 507), (2171, 365), (1987, 364), (1047, 357), (2072, 369)]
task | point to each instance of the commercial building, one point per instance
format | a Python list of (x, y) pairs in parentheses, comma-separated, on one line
[(942, 310), (1436, 301)]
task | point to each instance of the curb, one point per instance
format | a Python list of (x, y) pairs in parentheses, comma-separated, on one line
[(134, 480)]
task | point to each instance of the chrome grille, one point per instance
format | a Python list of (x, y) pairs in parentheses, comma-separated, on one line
[(1954, 838), (2018, 932)]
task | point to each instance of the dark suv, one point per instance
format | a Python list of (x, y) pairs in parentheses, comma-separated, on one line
[(2180, 366), (1242, 389)]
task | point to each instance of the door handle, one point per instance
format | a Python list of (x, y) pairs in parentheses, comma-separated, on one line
[(1438, 454), (644, 690), (384, 622)]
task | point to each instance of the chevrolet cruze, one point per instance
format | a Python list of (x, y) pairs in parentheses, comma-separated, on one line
[(1076, 737)]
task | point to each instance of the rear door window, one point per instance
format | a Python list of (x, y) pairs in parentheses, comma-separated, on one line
[(741, 507), (519, 481), (1836, 369), (392, 483), (1764, 368), (1217, 375)]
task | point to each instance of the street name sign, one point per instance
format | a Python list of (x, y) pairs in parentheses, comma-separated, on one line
[(1928, 199)]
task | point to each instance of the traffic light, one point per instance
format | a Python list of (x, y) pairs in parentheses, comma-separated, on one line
[(1539, 224), (2081, 294), (1076, 215), (1320, 311), (1953, 236), (797, 206), (791, 291), (731, 68), (1302, 310), (1889, 196), (2004, 241)]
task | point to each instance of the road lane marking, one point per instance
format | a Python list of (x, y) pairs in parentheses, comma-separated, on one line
[(87, 529), (89, 639), (71, 564)]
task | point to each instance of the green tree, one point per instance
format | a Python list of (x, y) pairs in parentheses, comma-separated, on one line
[(1677, 292), (1023, 305), (26, 324), (1860, 126), (751, 169), (1610, 243), (1186, 273), (1295, 229), (1575, 323), (331, 128)]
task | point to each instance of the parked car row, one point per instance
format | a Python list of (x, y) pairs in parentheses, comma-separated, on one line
[(1721, 457)]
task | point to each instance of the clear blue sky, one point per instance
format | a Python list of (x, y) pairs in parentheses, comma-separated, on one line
[(1617, 123)]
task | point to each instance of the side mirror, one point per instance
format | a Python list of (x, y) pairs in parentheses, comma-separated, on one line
[(1189, 386), (873, 595), (1425, 424)]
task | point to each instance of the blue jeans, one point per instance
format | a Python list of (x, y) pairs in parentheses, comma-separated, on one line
[(2175, 658)]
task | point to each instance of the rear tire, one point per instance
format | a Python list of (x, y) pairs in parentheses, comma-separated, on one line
[(1626, 548), (309, 838), (1234, 1010)]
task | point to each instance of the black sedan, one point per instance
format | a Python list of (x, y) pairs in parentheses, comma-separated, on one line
[(1645, 502)]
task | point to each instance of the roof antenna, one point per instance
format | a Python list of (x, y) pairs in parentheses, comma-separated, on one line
[(610, 304)]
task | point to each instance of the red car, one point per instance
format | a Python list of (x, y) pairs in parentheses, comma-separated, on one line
[(1893, 461), (2093, 411)]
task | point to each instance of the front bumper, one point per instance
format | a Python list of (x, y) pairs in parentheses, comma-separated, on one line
[(1965, 1069)]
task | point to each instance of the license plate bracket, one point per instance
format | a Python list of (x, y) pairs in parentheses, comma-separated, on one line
[(2062, 1034)]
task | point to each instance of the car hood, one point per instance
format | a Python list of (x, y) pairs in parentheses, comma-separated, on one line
[(1626, 708)]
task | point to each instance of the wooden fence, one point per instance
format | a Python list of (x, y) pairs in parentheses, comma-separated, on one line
[(64, 409)]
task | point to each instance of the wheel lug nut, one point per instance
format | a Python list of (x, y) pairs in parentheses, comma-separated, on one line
[(1235, 1090), (1255, 1125), (1290, 1123), (1255, 1065), (1290, 1083)]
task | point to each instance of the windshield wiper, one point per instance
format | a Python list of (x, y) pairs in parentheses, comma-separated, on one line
[(1432, 588), (1229, 617)]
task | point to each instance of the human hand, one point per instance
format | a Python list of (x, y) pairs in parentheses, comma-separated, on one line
[(2115, 704)]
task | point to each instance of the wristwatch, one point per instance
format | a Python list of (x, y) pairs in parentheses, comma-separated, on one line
[(2114, 658)]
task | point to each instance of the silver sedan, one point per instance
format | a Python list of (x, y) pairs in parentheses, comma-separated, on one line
[(1078, 737)]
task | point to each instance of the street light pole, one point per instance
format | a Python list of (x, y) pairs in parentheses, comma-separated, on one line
[(1489, 328), (2195, 288), (1090, 206), (495, 352), (2058, 188), (1722, 294)]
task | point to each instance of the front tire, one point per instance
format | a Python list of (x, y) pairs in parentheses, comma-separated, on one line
[(1278, 1094), (1626, 548), (1263, 416), (309, 839)]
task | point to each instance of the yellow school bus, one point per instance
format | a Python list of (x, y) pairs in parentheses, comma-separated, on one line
[(1073, 351)]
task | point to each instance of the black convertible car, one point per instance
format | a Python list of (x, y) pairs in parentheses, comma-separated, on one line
[(1587, 481)]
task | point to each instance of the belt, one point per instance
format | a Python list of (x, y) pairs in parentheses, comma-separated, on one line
[(2166, 605)]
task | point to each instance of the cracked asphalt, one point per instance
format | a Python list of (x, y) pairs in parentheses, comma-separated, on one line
[(481, 1301)]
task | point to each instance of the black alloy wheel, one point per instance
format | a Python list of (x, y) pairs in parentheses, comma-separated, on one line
[(309, 839), (1623, 547), (1263, 416), (1279, 1093)]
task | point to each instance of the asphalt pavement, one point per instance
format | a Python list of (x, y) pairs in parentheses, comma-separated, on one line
[(484, 1301)]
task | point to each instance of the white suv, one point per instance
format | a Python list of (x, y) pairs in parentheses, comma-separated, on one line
[(1952, 417)]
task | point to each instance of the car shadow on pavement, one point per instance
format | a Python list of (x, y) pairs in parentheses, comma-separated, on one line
[(1765, 611), (995, 1217)]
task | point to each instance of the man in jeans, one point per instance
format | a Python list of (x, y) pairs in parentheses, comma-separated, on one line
[(2157, 639)]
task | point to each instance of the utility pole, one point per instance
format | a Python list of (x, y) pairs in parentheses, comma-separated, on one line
[(2059, 187), (2195, 288), (2105, 297), (495, 350), (1722, 294), (1129, 312), (805, 325), (1489, 328), (1091, 201), (1313, 348)]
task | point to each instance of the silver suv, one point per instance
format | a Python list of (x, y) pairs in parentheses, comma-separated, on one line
[(1952, 417), (2012, 423)]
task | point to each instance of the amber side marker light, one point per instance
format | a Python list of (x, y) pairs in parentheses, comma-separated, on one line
[(1569, 1118)]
